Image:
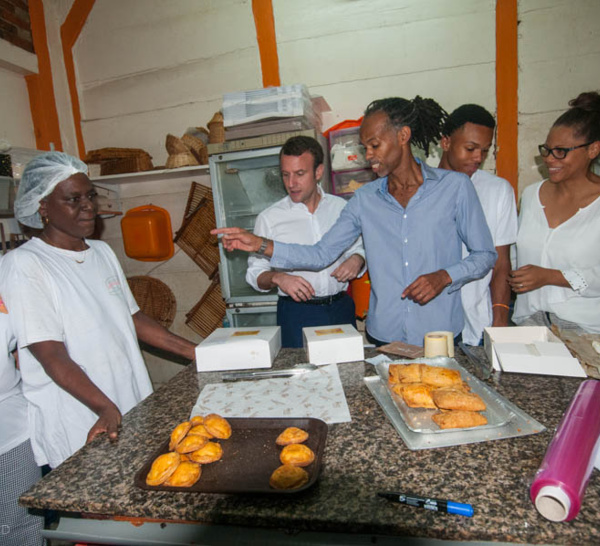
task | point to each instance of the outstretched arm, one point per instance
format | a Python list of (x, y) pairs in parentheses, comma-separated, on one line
[(152, 333)]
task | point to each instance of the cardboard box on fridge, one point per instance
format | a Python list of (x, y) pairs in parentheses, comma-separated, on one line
[(238, 349), (529, 349), (329, 344)]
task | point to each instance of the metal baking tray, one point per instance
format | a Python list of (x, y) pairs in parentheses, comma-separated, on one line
[(250, 456), (420, 419), (521, 424)]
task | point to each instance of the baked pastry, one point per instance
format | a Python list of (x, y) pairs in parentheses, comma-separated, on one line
[(179, 433), (405, 373), (197, 420), (291, 435), (162, 468), (200, 430), (208, 453), (455, 399), (297, 455), (415, 395), (191, 443), (186, 475), (459, 419), (217, 426), (436, 376), (288, 477)]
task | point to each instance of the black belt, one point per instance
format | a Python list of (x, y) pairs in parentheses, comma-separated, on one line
[(326, 300)]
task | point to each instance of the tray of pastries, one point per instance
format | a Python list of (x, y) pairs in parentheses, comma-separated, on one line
[(435, 402), (212, 454)]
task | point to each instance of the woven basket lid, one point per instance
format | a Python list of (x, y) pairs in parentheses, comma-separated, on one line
[(155, 298), (174, 145)]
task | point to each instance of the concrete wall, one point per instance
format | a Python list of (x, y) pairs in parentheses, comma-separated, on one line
[(559, 57)]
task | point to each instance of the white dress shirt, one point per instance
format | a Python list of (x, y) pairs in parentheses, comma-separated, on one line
[(498, 202), (290, 222), (572, 247)]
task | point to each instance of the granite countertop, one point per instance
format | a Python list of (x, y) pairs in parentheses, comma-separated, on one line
[(361, 458)]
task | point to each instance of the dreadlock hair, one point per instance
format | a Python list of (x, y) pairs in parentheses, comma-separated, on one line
[(468, 113), (583, 116), (424, 117), (297, 145)]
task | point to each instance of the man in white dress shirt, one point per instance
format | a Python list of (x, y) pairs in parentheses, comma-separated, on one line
[(468, 134), (306, 298)]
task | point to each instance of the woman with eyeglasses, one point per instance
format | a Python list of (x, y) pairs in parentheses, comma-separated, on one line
[(558, 275)]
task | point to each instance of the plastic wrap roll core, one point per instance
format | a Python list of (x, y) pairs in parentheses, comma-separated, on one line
[(559, 484)]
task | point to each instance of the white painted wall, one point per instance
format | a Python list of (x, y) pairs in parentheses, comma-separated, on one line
[(15, 114), (559, 57), (151, 67)]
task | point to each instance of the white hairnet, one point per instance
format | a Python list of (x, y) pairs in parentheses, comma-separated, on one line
[(40, 177)]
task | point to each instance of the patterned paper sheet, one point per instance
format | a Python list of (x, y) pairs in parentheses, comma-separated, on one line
[(314, 394)]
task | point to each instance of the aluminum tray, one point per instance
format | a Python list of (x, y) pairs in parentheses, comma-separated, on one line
[(521, 424), (420, 419), (250, 456)]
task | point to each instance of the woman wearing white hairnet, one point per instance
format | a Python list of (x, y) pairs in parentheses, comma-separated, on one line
[(76, 321)]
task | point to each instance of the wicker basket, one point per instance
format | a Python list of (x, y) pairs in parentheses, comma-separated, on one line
[(126, 165), (197, 147), (194, 237), (216, 129), (155, 298), (207, 315), (175, 145)]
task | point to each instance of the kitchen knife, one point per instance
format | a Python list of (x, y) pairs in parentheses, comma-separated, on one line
[(481, 365)]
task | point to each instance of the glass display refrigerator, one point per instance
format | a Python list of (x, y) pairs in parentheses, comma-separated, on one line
[(244, 183)]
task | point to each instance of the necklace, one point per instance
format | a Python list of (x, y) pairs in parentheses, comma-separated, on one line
[(47, 240)]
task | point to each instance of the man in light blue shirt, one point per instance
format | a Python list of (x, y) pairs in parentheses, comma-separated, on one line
[(413, 220)]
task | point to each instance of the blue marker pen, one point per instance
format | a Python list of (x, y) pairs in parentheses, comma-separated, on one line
[(429, 504)]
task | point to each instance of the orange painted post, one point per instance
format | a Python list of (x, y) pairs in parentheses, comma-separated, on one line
[(267, 41), (69, 32), (507, 92), (40, 87)]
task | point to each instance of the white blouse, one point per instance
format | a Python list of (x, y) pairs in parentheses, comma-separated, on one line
[(573, 247)]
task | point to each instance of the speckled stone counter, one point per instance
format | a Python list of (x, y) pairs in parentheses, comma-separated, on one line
[(361, 458)]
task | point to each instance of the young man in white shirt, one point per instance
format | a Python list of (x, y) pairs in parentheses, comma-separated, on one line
[(468, 134), (306, 298)]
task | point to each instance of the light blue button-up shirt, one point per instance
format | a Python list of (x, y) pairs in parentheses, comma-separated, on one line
[(403, 243)]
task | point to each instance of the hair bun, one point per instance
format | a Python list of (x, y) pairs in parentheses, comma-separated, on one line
[(588, 101)]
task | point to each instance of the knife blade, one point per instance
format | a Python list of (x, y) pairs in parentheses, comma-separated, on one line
[(249, 376), (480, 364)]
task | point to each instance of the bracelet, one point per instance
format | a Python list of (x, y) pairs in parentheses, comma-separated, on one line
[(500, 305), (263, 247)]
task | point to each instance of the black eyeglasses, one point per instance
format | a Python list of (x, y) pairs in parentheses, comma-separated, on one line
[(558, 152)]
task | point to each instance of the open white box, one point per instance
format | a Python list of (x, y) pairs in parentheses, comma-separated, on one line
[(329, 344), (238, 349), (529, 349)]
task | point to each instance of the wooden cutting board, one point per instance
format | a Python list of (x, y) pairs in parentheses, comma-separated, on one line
[(581, 348)]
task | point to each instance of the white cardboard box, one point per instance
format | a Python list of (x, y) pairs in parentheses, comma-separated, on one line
[(238, 349), (529, 349), (329, 344)]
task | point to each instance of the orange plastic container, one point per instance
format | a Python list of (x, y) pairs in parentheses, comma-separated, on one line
[(361, 292), (147, 234)]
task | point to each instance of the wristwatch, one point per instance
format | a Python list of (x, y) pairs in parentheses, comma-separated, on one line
[(263, 247)]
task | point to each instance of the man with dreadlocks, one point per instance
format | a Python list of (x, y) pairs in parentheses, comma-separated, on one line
[(413, 220), (466, 141)]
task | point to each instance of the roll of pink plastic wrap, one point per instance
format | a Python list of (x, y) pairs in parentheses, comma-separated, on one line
[(559, 484)]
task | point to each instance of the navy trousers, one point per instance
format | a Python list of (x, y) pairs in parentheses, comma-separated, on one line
[(293, 316)]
